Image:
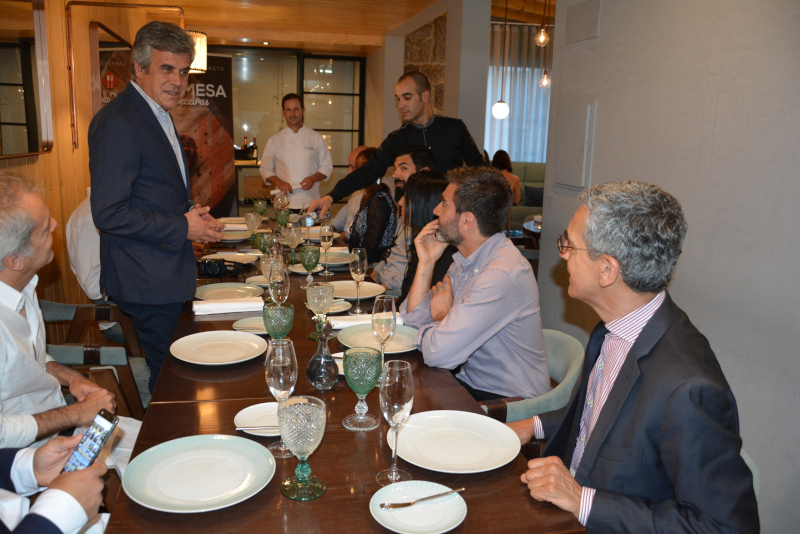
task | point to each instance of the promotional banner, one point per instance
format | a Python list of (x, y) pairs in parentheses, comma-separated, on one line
[(204, 120)]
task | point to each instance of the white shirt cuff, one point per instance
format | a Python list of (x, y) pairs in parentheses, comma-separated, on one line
[(587, 497), (538, 429), (22, 474), (61, 509)]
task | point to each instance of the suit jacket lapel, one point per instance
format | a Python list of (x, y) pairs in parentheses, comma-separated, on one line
[(653, 331)]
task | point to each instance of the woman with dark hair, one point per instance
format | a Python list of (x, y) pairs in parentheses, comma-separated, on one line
[(375, 224), (502, 161), (423, 193)]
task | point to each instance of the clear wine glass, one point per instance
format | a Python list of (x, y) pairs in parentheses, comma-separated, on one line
[(279, 283), (293, 237), (281, 372), (325, 241), (362, 369), (253, 221), (384, 320), (397, 398), (358, 270), (320, 299), (309, 258), (302, 422)]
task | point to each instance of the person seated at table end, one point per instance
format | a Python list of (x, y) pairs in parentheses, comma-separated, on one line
[(651, 434), (485, 313)]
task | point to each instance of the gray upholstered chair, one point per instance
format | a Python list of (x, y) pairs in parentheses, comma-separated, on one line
[(565, 358)]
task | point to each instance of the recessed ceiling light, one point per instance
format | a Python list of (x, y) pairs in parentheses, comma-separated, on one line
[(265, 43)]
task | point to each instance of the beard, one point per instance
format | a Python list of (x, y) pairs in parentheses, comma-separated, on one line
[(449, 232), (399, 190)]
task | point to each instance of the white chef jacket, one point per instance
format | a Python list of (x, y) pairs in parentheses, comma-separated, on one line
[(292, 157), (83, 246)]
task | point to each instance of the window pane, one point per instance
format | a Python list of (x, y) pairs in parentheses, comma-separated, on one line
[(340, 144), (14, 139), (12, 104), (10, 65), (328, 75), (331, 112)]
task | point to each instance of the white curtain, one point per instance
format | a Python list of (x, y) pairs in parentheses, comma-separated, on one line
[(523, 134)]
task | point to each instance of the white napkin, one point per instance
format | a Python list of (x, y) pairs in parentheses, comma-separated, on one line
[(338, 249), (208, 307), (235, 226), (344, 321)]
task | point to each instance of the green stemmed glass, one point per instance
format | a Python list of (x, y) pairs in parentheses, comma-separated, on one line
[(362, 369), (264, 242), (302, 423), (309, 257), (260, 206), (282, 216), (278, 319)]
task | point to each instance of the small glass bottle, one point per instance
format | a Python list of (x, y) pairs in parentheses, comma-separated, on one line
[(322, 371)]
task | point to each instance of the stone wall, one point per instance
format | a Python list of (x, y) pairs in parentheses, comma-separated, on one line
[(424, 51)]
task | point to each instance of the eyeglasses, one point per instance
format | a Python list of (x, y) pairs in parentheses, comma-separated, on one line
[(564, 246)]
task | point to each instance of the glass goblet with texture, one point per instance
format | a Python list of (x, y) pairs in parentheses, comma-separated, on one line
[(302, 423), (362, 369), (309, 257)]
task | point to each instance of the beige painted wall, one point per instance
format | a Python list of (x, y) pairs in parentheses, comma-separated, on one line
[(702, 99)]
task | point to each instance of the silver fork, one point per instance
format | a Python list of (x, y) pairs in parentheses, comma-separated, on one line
[(395, 505)]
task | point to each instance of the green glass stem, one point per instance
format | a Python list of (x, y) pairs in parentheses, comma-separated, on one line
[(303, 471)]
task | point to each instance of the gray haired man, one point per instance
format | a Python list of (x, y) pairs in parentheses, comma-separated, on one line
[(650, 439)]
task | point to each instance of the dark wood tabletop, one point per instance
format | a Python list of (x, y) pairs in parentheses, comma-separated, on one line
[(192, 400)]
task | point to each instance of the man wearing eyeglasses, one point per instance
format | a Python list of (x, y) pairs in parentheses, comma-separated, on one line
[(650, 439)]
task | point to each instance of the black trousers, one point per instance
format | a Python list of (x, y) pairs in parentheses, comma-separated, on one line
[(155, 325)]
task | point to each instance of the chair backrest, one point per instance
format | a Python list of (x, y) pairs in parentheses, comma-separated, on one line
[(752, 465), (565, 359)]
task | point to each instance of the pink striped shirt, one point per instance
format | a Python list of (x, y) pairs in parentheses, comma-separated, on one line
[(618, 342)]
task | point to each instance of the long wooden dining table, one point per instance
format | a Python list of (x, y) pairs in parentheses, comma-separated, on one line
[(193, 399)]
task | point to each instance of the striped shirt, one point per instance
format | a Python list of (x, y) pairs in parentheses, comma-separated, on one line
[(622, 334)]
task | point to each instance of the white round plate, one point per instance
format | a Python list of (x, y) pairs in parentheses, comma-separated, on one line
[(338, 357), (455, 442), (337, 307), (198, 473), (258, 281), (313, 234), (264, 414), (299, 269), (346, 289), (361, 335), (228, 290), (235, 236), (428, 517), (231, 256), (335, 258), (251, 251), (219, 347), (252, 325), (231, 220)]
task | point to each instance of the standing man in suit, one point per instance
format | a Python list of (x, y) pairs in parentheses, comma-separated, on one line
[(140, 193), (650, 439)]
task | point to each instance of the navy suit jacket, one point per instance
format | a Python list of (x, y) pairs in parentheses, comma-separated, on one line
[(138, 203), (664, 455), (31, 523)]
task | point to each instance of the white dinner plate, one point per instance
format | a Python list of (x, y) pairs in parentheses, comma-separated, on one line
[(259, 280), (252, 325), (337, 307), (231, 256), (428, 517), (338, 357), (361, 335), (335, 258), (198, 473), (264, 414), (299, 269), (228, 290), (219, 347), (346, 289), (455, 442), (251, 251), (231, 220), (312, 234), (235, 236)]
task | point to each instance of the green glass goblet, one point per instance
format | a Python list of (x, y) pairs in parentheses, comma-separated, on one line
[(282, 216), (278, 320), (260, 206), (309, 257), (263, 241), (362, 369)]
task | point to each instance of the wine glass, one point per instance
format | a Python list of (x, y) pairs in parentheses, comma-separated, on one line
[(362, 369), (396, 397), (279, 283), (293, 238), (302, 422), (253, 221), (281, 372), (325, 240), (263, 241), (278, 319), (309, 257), (282, 216), (259, 206), (384, 320), (358, 270), (320, 299)]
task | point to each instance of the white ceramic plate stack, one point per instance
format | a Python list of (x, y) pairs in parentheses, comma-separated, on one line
[(228, 290), (346, 289), (455, 442), (198, 473), (361, 335), (428, 517), (219, 347)]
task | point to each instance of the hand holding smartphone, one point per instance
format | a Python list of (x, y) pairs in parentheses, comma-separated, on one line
[(92, 443)]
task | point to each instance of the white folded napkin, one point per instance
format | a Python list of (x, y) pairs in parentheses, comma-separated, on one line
[(338, 249), (344, 321), (235, 226), (209, 307)]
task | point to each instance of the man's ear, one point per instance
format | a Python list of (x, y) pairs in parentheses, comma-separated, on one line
[(425, 96), (138, 71), (14, 262), (609, 270), (467, 221)]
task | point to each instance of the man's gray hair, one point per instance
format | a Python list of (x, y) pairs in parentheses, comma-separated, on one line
[(163, 36), (16, 224), (640, 225)]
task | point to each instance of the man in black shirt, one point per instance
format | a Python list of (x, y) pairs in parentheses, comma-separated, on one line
[(448, 139)]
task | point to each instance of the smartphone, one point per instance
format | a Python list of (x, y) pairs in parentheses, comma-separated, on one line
[(92, 442)]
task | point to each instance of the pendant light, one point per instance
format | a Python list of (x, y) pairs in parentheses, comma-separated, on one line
[(200, 63), (500, 110), (544, 81), (542, 38)]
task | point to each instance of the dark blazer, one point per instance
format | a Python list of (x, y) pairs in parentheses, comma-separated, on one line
[(664, 455), (31, 523), (138, 203)]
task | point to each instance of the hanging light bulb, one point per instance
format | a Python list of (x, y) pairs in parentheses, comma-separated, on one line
[(542, 38), (544, 81), (500, 110)]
